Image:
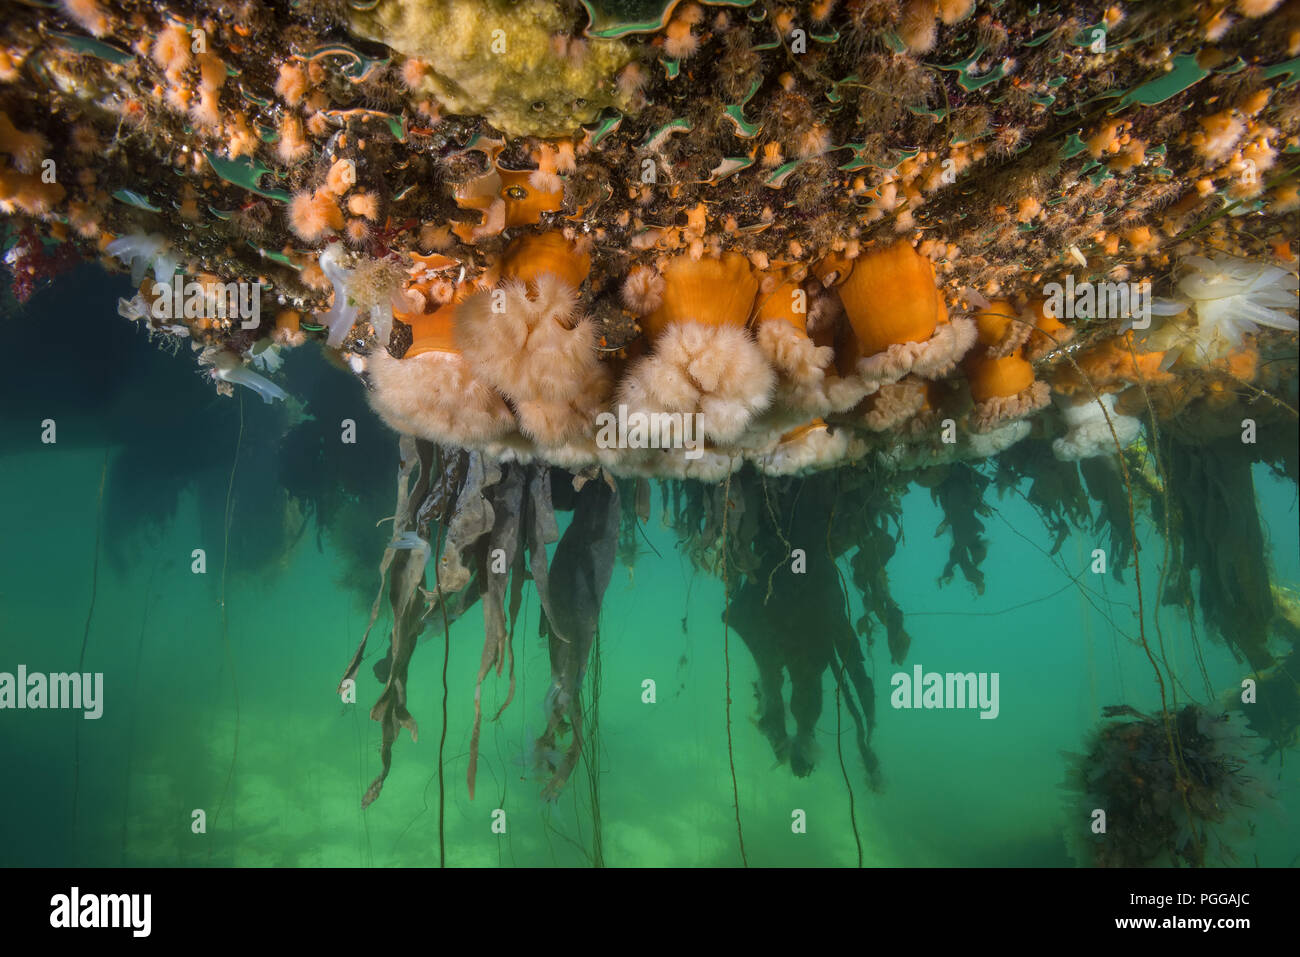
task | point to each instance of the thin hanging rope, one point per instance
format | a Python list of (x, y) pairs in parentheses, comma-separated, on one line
[(85, 638), (726, 658), (446, 657), (225, 619)]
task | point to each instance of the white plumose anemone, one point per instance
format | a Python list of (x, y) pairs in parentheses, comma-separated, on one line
[(1089, 432), (1230, 298)]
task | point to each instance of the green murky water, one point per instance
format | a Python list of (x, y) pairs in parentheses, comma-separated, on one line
[(231, 709)]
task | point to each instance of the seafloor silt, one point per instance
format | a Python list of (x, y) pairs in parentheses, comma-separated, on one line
[(766, 265)]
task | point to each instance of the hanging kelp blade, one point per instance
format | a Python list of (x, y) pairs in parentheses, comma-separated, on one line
[(405, 591), (495, 563), (579, 575)]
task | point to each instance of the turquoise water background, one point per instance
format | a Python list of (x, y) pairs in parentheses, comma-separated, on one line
[(182, 680)]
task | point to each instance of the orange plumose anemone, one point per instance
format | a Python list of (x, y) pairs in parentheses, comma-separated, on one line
[(1110, 366), (781, 329), (1000, 329), (702, 357), (431, 391), (1048, 333), (506, 198), (894, 404), (528, 339), (809, 447), (1004, 389), (314, 215), (898, 318)]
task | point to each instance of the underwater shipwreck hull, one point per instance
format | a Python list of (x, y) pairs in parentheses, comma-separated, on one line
[(781, 260)]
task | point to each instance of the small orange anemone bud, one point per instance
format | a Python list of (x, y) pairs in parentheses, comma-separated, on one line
[(565, 161), (291, 84), (342, 176), (171, 50), (178, 98), (1110, 366), (357, 232), (950, 11), (240, 140), (1253, 103), (1242, 364), (88, 14), (1257, 8), (536, 253), (917, 28), (84, 219), (1049, 332), (546, 182), (414, 70), (292, 145), (1133, 153), (1218, 135), (205, 111), (643, 290), (1028, 209), (814, 141), (25, 149), (364, 204), (313, 277), (1141, 241), (820, 10), (318, 124), (1103, 139), (679, 42), (631, 79), (697, 219), (212, 71), (314, 215)]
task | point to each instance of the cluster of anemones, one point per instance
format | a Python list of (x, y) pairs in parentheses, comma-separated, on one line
[(787, 367)]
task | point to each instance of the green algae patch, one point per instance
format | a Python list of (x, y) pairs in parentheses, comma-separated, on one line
[(1185, 73), (616, 18), (511, 61)]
